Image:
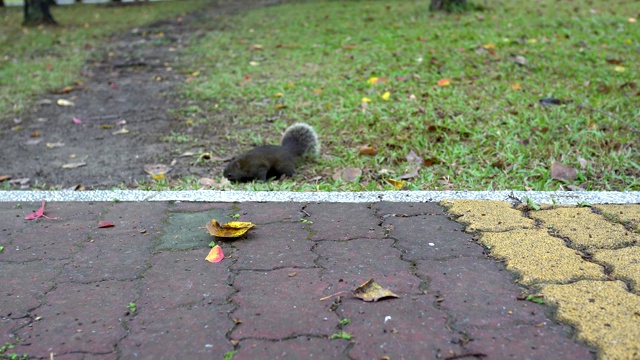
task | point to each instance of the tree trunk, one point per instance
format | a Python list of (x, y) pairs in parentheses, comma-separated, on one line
[(1, 3), (448, 5), (36, 12)]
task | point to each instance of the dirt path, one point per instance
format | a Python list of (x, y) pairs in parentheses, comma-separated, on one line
[(126, 106)]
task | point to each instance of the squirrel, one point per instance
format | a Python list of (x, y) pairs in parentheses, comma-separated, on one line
[(269, 161)]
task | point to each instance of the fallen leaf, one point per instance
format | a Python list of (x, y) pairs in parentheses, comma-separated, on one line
[(619, 69), (120, 132), (105, 224), (157, 171), (410, 175), (518, 59), (444, 82), (562, 172), (398, 184), (4, 177), (77, 121), (367, 150), (233, 229), (206, 182), (371, 291), (74, 165), (366, 100), (413, 157), (373, 80), (516, 86), (39, 214), (385, 96), (347, 174), (55, 145), (215, 255), (550, 102), (63, 102), (632, 20)]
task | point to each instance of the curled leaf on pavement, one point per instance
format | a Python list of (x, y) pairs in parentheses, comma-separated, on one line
[(233, 229), (157, 171), (215, 255), (371, 291), (39, 214), (105, 224)]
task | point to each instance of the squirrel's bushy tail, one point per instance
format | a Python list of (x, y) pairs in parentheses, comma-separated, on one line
[(300, 138)]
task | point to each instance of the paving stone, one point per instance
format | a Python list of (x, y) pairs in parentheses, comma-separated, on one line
[(408, 327), (387, 209), (183, 278), (628, 213), (13, 221), (351, 263), (585, 229), (303, 347), (343, 221), (540, 258), (8, 327), (430, 237), (19, 295), (185, 230), (624, 262), (483, 215), (274, 246), (196, 207), (275, 305), (612, 326), (78, 318), (258, 213), (153, 333)]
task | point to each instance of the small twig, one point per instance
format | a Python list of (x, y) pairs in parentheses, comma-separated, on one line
[(332, 295), (611, 115), (462, 356)]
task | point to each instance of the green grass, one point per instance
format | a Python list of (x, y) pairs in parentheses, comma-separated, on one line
[(313, 61), (37, 60)]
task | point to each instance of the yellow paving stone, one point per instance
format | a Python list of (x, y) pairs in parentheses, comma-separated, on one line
[(626, 213), (625, 263), (586, 229), (483, 215), (539, 257), (604, 314)]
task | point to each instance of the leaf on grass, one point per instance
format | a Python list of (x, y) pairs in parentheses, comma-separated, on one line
[(413, 157), (63, 102), (157, 171), (105, 224), (367, 150), (398, 184), (4, 177), (409, 175), (74, 165), (444, 82), (550, 102), (516, 86), (562, 172), (233, 229), (366, 100), (385, 96), (348, 174), (215, 254), (619, 69), (520, 60), (371, 291)]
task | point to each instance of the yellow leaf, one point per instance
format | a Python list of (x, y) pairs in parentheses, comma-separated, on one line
[(366, 100), (373, 80), (628, 41), (233, 229), (516, 86), (278, 94), (254, 63), (371, 291), (532, 41), (489, 46), (63, 102), (317, 91), (632, 20), (215, 255), (385, 96), (619, 68), (157, 177), (398, 184), (444, 82), (290, 85)]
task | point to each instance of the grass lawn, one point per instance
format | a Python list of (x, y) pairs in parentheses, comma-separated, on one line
[(461, 91), (37, 60)]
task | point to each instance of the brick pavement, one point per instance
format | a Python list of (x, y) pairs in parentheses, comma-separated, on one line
[(67, 285)]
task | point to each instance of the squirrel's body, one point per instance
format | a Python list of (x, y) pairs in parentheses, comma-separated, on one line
[(268, 161)]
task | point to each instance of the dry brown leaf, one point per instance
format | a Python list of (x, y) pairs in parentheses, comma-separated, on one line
[(413, 157), (562, 172), (371, 291), (4, 177), (233, 229), (348, 174), (409, 175), (367, 150)]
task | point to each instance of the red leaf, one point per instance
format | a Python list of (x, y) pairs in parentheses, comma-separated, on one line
[(105, 224), (38, 214), (215, 255)]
